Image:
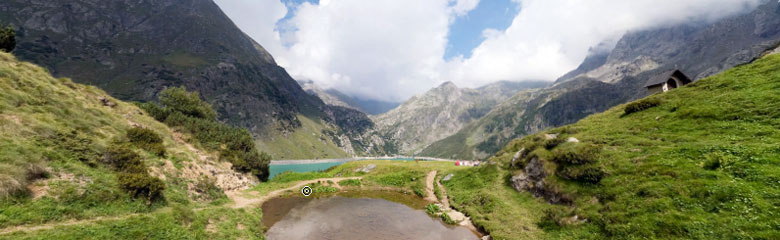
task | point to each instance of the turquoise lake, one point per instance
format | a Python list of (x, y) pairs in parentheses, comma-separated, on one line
[(312, 167)]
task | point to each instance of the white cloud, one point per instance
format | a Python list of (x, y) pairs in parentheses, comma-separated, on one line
[(392, 49), (550, 37)]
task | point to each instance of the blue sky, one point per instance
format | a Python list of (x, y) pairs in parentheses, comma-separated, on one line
[(466, 32)]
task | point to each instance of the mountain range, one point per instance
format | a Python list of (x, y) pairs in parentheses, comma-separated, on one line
[(606, 79), (442, 111)]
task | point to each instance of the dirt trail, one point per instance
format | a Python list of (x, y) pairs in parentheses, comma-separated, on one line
[(429, 194), (30, 228), (241, 200), (459, 217), (445, 201)]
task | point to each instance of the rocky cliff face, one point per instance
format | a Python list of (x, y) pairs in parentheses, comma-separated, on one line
[(134, 49), (606, 80), (442, 111)]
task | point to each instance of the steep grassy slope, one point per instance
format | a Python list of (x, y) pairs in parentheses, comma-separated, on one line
[(55, 137), (309, 140), (704, 163)]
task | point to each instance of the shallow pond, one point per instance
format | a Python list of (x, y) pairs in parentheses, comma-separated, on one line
[(356, 215)]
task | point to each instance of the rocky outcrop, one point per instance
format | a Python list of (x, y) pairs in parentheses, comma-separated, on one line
[(532, 180)]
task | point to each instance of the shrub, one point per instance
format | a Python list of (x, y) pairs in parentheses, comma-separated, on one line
[(146, 139), (586, 174), (207, 189), (553, 218), (235, 145), (124, 159), (579, 155), (641, 105), (156, 111), (189, 103), (79, 147), (432, 209), (142, 185), (7, 39), (552, 143)]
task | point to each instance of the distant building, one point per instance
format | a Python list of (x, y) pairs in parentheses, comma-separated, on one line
[(667, 81)]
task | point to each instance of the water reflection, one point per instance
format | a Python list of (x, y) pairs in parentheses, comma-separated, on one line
[(352, 218)]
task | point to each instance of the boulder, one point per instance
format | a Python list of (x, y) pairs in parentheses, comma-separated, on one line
[(366, 169), (572, 140), (550, 136), (447, 178)]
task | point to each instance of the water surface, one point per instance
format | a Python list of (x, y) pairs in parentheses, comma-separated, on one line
[(340, 217)]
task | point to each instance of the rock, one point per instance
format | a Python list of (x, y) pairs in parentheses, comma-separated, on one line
[(518, 155), (448, 177), (550, 136), (366, 169), (532, 180), (486, 237), (106, 102), (572, 140)]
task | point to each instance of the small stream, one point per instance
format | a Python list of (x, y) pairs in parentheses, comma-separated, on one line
[(356, 215)]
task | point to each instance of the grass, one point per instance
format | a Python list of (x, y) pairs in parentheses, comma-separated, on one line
[(221, 223), (307, 142), (350, 182), (701, 164), (43, 145)]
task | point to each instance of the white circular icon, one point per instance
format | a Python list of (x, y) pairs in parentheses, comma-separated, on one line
[(306, 191)]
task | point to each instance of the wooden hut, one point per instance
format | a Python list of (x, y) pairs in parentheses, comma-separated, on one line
[(667, 81)]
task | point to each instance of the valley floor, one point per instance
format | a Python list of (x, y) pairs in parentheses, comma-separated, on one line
[(240, 216)]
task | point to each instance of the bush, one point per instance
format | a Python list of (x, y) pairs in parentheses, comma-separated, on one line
[(7, 39), (235, 145), (432, 209), (146, 139), (552, 143), (189, 103), (124, 159), (156, 111), (586, 174), (208, 190), (553, 218), (579, 155), (641, 105), (142, 185), (79, 147)]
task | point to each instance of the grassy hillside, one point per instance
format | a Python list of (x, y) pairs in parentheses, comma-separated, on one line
[(698, 162), (70, 152), (307, 142)]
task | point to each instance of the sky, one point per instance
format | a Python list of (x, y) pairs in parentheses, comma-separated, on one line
[(391, 50)]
